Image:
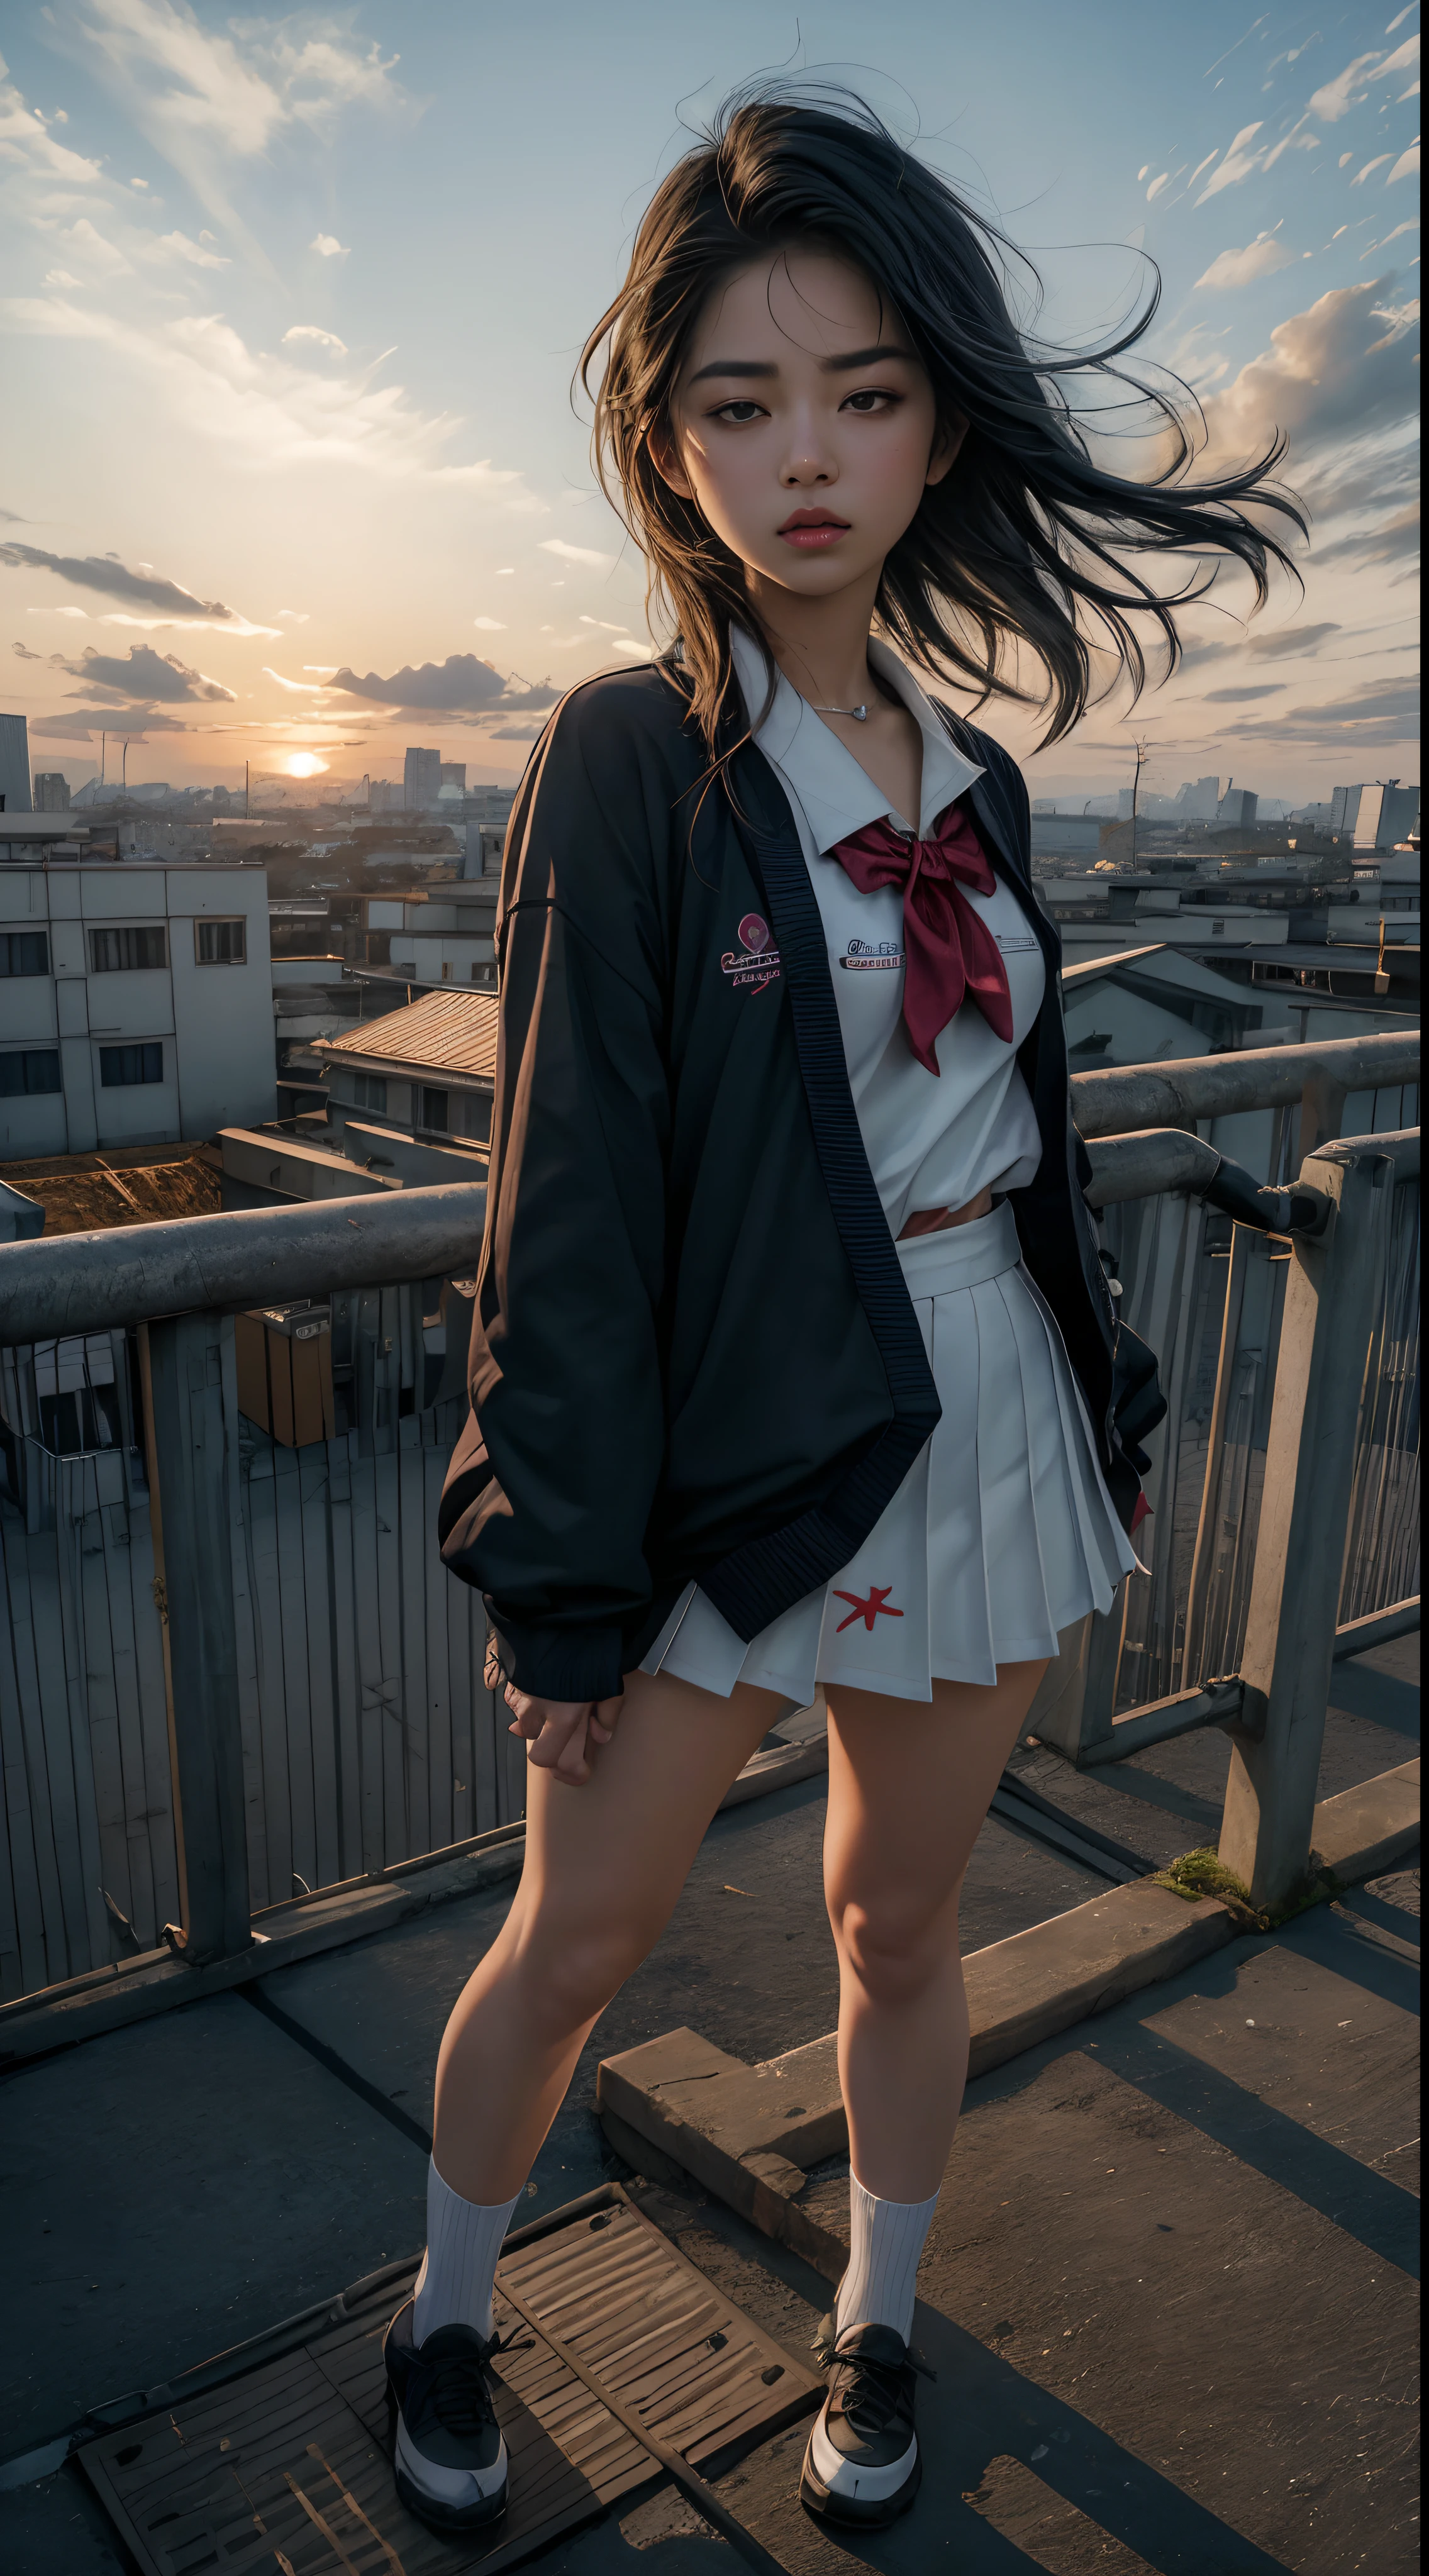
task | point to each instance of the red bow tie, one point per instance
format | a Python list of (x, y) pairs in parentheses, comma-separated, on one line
[(949, 948)]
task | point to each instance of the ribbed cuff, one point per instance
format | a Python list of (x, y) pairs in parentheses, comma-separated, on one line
[(560, 1663)]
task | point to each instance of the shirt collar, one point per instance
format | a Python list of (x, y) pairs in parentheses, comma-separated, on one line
[(835, 791)]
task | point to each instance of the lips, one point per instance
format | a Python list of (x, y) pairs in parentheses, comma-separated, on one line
[(810, 530)]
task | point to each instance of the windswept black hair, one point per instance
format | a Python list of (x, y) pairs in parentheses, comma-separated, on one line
[(1023, 541)]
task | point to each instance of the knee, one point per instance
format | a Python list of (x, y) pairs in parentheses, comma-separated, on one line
[(894, 1942), (572, 1971)]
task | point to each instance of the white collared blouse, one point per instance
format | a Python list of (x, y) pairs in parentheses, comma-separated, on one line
[(932, 1141)]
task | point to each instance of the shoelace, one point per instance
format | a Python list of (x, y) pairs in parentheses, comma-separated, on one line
[(873, 2393), (461, 2396)]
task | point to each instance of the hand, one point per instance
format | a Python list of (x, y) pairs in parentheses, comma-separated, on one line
[(562, 1733)]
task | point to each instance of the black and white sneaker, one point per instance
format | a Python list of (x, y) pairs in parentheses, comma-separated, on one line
[(447, 2447), (862, 2465)]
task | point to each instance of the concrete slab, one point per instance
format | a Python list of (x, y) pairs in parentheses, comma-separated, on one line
[(1163, 2292), (171, 2190), (747, 1957)]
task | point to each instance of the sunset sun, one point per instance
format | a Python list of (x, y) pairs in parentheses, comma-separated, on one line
[(306, 764)]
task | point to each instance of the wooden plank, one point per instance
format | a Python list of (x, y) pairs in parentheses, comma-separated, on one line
[(416, 1707), (28, 1606), (293, 1617), (92, 1647), (137, 1611), (347, 1709), (396, 1840), (26, 1968), (368, 1635), (262, 1539), (65, 1720), (430, 1467), (317, 1621)]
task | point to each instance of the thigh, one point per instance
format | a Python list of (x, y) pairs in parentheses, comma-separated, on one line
[(910, 1783), (617, 1850)]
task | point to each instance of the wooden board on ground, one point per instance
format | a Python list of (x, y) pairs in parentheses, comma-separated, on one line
[(285, 2464)]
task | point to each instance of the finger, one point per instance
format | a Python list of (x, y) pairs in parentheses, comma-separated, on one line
[(549, 1741)]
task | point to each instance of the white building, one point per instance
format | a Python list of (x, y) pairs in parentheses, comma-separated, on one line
[(136, 1001)]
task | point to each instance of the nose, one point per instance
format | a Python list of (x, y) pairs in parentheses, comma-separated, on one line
[(807, 464)]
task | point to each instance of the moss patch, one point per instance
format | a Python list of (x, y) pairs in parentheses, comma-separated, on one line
[(1202, 1873)]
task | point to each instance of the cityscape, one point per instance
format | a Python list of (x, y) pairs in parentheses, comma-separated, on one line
[(301, 547)]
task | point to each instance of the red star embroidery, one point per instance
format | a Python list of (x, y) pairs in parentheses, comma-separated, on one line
[(867, 1610)]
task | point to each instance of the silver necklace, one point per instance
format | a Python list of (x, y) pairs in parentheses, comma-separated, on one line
[(859, 714)]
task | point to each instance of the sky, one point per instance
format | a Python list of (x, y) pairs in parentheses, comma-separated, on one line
[(291, 472)]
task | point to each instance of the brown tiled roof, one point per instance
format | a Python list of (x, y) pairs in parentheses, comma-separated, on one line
[(443, 1033), (79, 1196)]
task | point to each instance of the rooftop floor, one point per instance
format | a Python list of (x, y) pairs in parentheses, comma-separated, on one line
[(1246, 2134)]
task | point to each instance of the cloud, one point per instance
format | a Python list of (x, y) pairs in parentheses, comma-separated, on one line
[(528, 730), (133, 722), (1406, 167), (107, 574), (1236, 697), (26, 141), (604, 622), (273, 412), (490, 625), (298, 688), (638, 652), (1290, 641), (575, 554), (1260, 258), (1352, 86), (1369, 169), (1393, 540), (1237, 165), (88, 244), (309, 331), (461, 685), (193, 254), (1344, 367), (146, 675), (328, 246), (293, 616)]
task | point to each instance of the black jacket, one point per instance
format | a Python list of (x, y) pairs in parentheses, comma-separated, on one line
[(693, 1352)]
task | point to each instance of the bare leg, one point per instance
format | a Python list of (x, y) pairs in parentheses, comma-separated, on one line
[(909, 1787), (605, 1863)]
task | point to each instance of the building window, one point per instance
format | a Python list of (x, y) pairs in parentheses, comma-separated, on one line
[(24, 952), (113, 951), (434, 1110), (221, 943), (124, 1064), (369, 1090), (26, 1069)]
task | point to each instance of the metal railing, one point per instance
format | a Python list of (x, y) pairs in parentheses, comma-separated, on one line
[(233, 1668)]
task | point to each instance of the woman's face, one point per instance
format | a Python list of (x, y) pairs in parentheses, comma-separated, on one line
[(804, 428)]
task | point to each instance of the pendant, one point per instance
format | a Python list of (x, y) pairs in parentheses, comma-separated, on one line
[(859, 714)]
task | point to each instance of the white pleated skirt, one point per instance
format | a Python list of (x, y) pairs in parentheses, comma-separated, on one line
[(1001, 1533)]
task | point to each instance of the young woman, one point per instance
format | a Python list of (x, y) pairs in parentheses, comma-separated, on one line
[(794, 1360)]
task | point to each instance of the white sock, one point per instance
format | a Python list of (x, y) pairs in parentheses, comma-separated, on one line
[(459, 2266), (886, 2238)]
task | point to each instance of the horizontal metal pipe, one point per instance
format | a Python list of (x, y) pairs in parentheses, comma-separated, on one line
[(1215, 1086), (1152, 1159), (1378, 1628), (1400, 1143), (93, 1283)]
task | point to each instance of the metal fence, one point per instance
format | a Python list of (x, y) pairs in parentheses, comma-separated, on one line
[(233, 1669)]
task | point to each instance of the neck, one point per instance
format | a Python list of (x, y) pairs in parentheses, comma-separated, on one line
[(820, 645)]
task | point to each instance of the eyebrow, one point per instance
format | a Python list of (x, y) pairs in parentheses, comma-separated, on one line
[(753, 367)]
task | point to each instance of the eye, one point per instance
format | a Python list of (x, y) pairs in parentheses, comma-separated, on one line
[(868, 399), (740, 411)]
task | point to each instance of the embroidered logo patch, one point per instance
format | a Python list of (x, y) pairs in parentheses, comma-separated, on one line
[(861, 955), (754, 963), (868, 1610)]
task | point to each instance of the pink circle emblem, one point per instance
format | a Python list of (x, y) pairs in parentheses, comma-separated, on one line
[(754, 932)]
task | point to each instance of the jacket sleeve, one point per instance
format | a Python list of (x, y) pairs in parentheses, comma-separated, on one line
[(550, 1491)]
